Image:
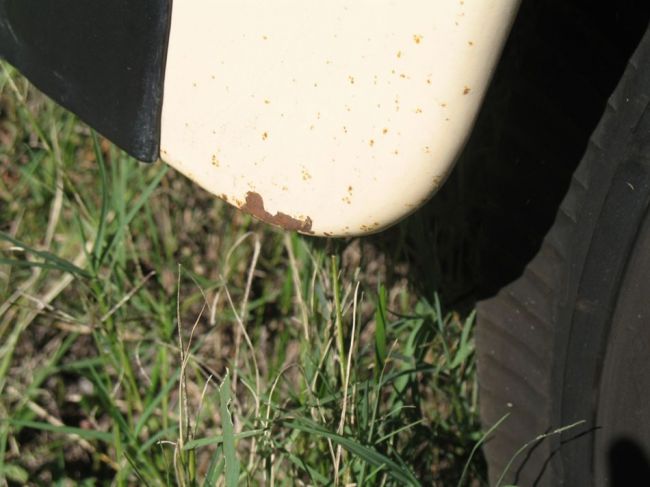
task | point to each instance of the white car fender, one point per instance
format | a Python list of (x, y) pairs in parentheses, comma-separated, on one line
[(333, 117)]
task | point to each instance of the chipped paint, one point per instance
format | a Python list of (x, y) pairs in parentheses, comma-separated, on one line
[(255, 206)]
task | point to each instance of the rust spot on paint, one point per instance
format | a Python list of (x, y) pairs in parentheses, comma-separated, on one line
[(255, 206), (371, 227), (372, 142), (466, 90), (265, 135), (224, 197), (348, 198), (215, 161), (417, 38), (385, 131)]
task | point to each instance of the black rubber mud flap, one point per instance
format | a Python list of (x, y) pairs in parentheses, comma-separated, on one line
[(101, 59), (567, 341)]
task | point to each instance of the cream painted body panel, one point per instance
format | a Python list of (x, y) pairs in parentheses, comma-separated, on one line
[(334, 117)]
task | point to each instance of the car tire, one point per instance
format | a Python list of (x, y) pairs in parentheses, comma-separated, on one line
[(569, 341)]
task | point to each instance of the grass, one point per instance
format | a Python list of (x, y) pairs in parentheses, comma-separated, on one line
[(152, 335)]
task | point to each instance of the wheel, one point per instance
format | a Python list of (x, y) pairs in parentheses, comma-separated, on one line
[(568, 341)]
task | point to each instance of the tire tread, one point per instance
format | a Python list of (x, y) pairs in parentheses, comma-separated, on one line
[(526, 313)]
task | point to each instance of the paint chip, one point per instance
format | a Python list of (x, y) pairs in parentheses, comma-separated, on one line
[(255, 206)]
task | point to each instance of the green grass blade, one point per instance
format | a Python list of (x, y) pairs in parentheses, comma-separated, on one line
[(465, 347), (219, 439), (478, 445), (381, 348), (67, 430), (151, 407), (109, 406), (532, 442), (101, 227), (26, 263), (138, 473), (365, 453), (48, 257), (316, 477), (140, 202), (398, 431), (232, 462), (167, 432), (214, 469)]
